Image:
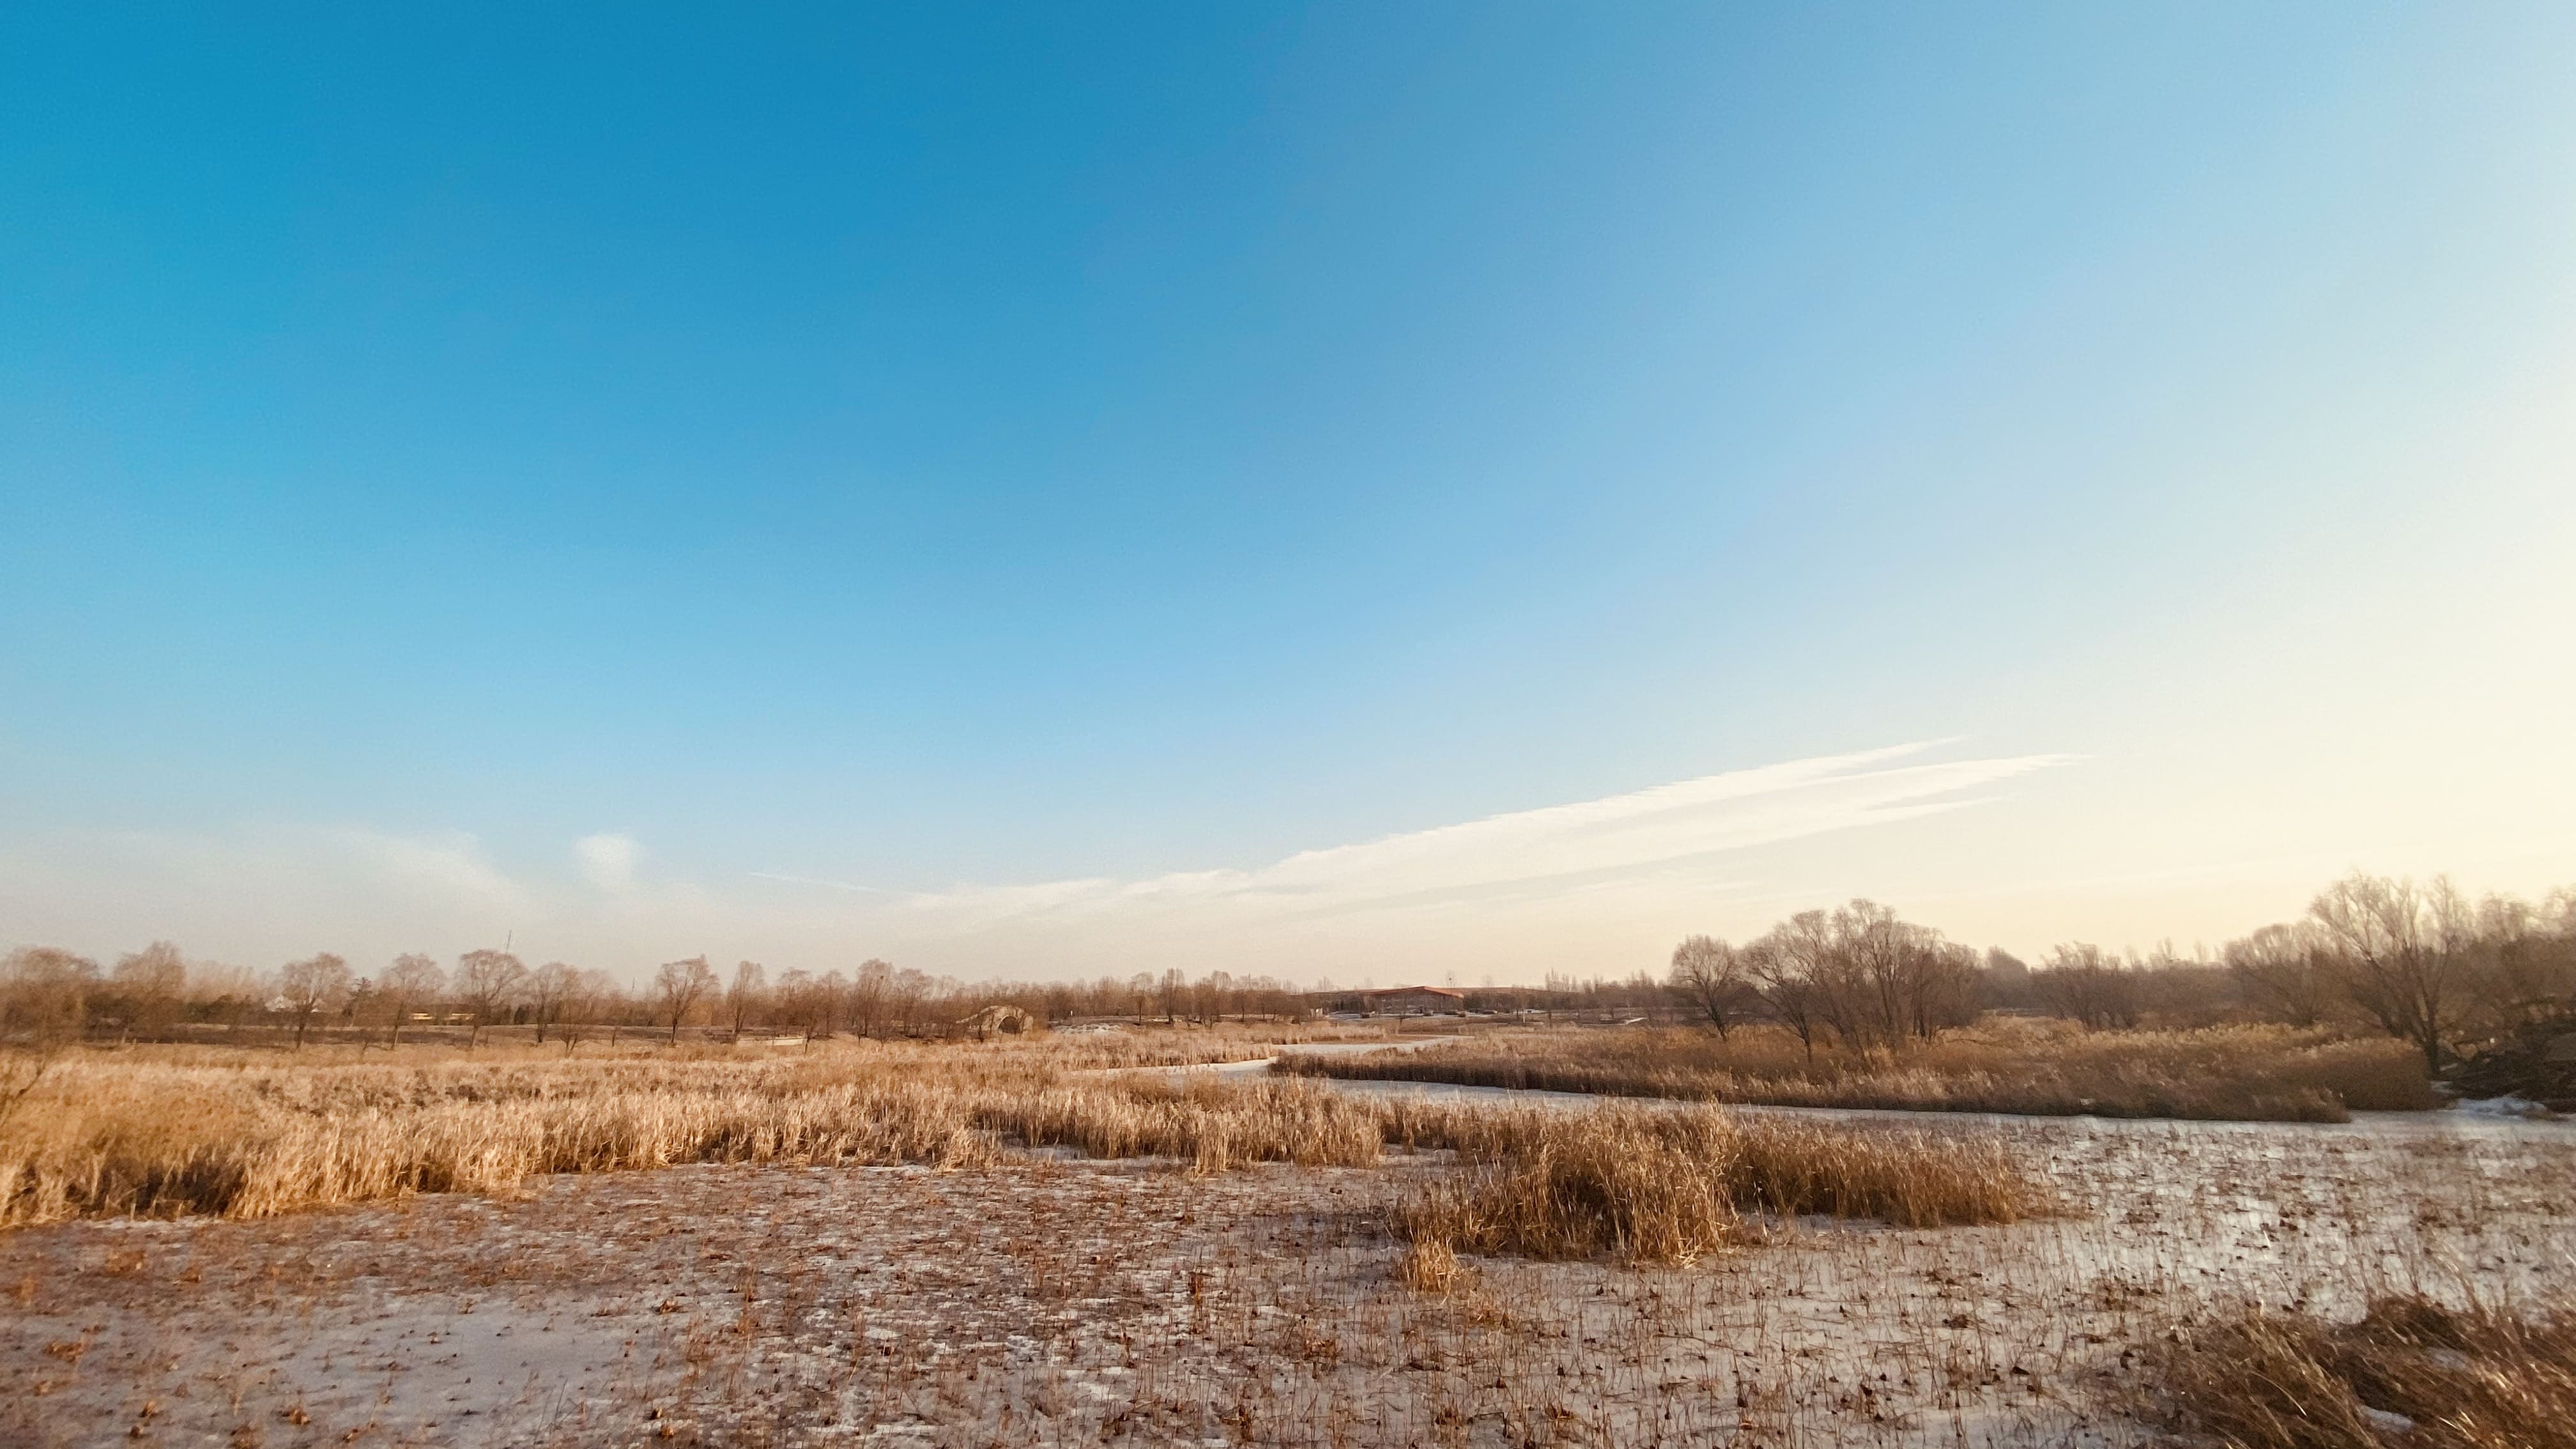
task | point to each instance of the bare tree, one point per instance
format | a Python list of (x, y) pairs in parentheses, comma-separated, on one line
[(411, 980), (359, 1005), (2557, 913), (550, 988), (869, 991), (798, 1002), (1841, 973), (743, 996), (679, 985), (1940, 981), (2526, 959), (2287, 971), (2086, 984), (809, 1003), (2005, 979), (311, 985), (219, 992), (485, 982), (594, 997), (1714, 980), (1786, 964), (1873, 952), (147, 987), (907, 992), (1863, 974), (44, 993), (830, 992), (2396, 954)]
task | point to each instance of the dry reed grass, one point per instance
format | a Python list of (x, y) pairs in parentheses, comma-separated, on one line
[(2041, 1069), (1214, 1126), (126, 1134), (1673, 1186), (112, 1138), (2410, 1372), (1085, 1048)]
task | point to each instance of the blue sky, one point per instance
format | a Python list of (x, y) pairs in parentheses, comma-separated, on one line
[(997, 461)]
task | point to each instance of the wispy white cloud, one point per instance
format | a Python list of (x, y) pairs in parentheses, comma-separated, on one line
[(836, 885), (450, 864), (1555, 850), (1590, 882)]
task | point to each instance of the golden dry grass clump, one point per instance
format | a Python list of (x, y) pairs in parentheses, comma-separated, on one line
[(1673, 1186), (1215, 1126), (110, 1137), (2410, 1372), (114, 1136), (137, 1133), (2244, 1073)]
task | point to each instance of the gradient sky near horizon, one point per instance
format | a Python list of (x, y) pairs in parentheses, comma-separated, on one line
[(1441, 491)]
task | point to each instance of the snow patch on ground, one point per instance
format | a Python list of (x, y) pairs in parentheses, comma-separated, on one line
[(2506, 1106)]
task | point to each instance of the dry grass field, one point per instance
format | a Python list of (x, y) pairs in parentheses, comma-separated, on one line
[(151, 1133), (1004, 1244), (2240, 1073)]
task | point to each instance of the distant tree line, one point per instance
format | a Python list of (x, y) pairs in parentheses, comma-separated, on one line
[(2422, 963), (52, 996)]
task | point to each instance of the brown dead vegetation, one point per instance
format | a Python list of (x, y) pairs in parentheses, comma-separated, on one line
[(123, 1134), (787, 1306), (2243, 1073), (2410, 1371), (1674, 1186)]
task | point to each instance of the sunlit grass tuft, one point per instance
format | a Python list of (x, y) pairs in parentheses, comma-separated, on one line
[(1674, 1186), (2410, 1372)]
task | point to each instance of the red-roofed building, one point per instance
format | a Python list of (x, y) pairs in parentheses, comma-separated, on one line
[(1413, 1001)]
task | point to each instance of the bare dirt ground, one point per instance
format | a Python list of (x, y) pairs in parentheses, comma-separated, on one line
[(1058, 1302)]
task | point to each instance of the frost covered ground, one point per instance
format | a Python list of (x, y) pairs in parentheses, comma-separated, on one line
[(1058, 1302)]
